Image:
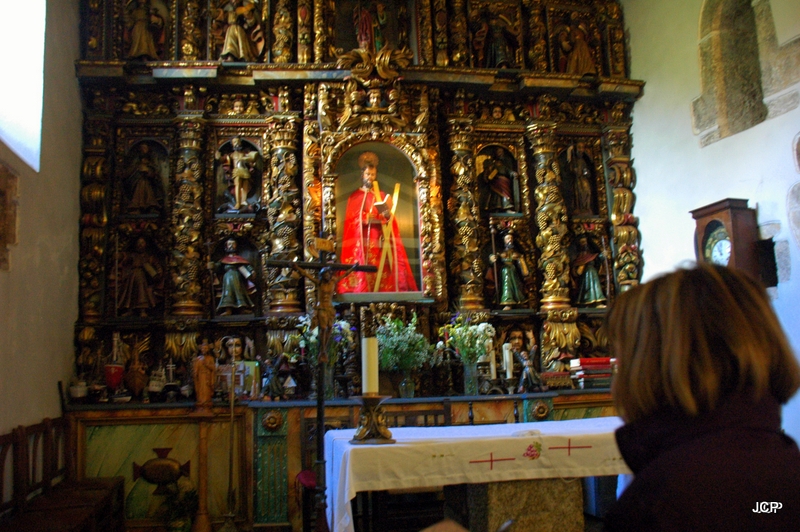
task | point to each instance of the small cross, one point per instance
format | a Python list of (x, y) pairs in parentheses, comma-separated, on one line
[(569, 447), (491, 461)]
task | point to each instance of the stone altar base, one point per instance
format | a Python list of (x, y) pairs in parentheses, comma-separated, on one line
[(541, 505)]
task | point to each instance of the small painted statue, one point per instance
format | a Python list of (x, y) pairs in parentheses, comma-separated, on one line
[(513, 268), (236, 286)]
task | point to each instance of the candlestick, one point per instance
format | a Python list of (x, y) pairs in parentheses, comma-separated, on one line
[(369, 365), (508, 360)]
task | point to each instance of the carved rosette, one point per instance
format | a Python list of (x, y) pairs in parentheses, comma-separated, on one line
[(458, 34), (551, 218), (187, 219), (191, 39), (622, 180), (94, 182), (466, 265), (560, 339), (284, 212)]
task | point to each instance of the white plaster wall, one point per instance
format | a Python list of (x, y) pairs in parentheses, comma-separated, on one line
[(38, 295), (675, 175)]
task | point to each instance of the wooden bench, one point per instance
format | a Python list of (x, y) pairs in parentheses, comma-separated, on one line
[(43, 496)]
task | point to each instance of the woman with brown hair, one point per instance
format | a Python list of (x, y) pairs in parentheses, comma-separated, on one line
[(703, 367)]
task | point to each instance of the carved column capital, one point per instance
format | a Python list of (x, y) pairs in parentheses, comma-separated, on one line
[(542, 136)]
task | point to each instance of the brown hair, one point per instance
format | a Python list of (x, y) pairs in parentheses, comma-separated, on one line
[(689, 338)]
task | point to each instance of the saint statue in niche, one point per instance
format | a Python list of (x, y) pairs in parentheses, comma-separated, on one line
[(576, 54), (370, 21), (371, 236), (144, 183), (141, 272), (586, 267), (493, 37), (238, 175), (498, 171), (579, 181), (513, 270), (238, 24), (145, 22), (235, 284)]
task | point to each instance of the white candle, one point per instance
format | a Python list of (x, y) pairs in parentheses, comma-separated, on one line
[(369, 365), (492, 360), (508, 360)]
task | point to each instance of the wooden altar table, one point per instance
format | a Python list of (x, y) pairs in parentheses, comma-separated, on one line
[(439, 456)]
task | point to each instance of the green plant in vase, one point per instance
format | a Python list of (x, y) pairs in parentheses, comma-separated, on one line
[(471, 342), (402, 348), (342, 341)]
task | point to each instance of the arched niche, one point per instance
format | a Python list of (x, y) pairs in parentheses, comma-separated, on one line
[(743, 69), (732, 98), (418, 218)]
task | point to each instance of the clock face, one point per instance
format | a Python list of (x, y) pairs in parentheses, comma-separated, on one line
[(717, 247)]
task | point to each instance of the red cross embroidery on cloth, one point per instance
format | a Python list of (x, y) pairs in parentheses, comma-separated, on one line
[(491, 461), (569, 447)]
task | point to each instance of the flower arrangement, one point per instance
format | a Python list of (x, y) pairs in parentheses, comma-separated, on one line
[(342, 340), (400, 346), (471, 341)]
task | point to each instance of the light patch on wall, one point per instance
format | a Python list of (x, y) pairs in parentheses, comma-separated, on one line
[(793, 211), (797, 153), (8, 213), (787, 19), (23, 86)]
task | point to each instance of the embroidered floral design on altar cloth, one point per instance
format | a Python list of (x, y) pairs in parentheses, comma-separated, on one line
[(533, 451)]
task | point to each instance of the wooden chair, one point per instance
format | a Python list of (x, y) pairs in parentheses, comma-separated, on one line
[(44, 499)]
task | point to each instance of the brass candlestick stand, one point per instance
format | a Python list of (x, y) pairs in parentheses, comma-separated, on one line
[(372, 427), (230, 525)]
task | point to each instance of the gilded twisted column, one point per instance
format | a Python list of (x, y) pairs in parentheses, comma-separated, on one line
[(622, 180), (551, 217), (94, 216), (283, 212), (560, 334), (187, 221), (466, 266)]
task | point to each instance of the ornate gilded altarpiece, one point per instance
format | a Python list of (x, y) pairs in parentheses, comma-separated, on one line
[(223, 134)]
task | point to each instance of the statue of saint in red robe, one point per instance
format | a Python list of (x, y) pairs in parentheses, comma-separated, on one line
[(368, 223)]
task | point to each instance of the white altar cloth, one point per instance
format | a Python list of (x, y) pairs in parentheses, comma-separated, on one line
[(465, 454)]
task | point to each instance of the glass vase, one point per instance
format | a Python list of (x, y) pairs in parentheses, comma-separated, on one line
[(406, 386), (471, 378)]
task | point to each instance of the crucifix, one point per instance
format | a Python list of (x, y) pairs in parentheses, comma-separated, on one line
[(323, 316)]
